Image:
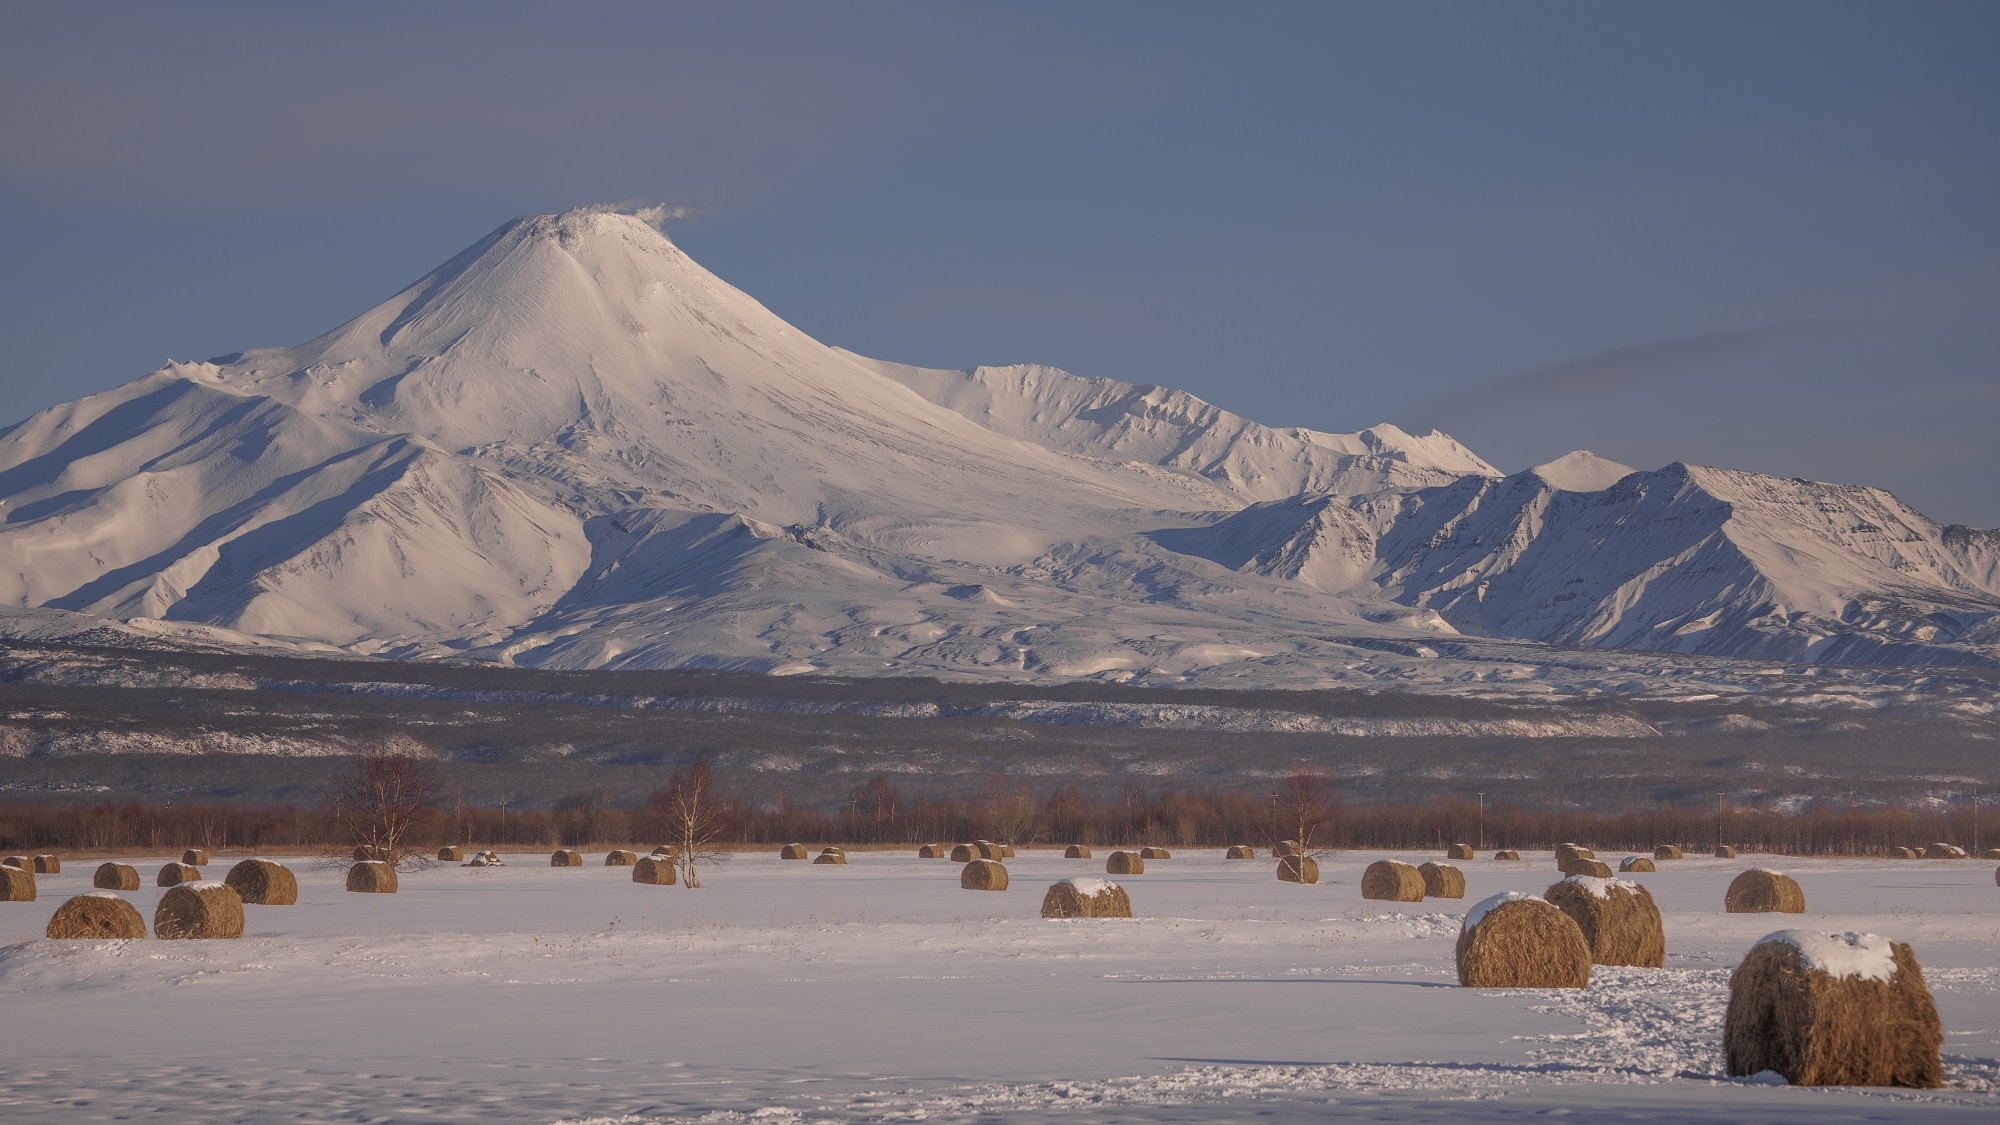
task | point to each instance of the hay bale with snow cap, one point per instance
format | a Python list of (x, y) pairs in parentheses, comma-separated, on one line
[(1990, 853), (195, 857), (96, 916), (566, 857), (931, 851), (1390, 881), (1942, 850), (1155, 853), (19, 863), (1086, 898), (451, 854), (259, 882), (1595, 868), (794, 851), (965, 853), (1240, 851), (1515, 940), (987, 849), (1725, 851), (50, 865), (618, 857), (1459, 851), (1619, 919), (1298, 869), (1760, 891), (1667, 851), (1636, 863), (16, 885), (1286, 847), (654, 870), (1566, 853), (373, 877), (983, 875), (174, 874), (831, 856), (206, 909), (1077, 851), (1442, 880), (1006, 851), (1124, 863), (1826, 1009), (116, 877), (1507, 854)]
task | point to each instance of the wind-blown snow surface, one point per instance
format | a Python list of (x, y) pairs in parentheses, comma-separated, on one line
[(572, 446), (881, 991)]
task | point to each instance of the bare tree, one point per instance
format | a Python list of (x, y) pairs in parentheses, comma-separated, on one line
[(387, 801), (691, 808), (1303, 807)]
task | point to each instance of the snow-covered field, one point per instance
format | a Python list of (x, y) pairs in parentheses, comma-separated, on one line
[(882, 992)]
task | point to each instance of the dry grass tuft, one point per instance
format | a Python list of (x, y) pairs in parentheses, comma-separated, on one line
[(1240, 851), (1820, 1030), (199, 910), (793, 851), (1077, 851), (174, 874), (259, 882), (1067, 900), (984, 875), (1523, 943), (1636, 863), (195, 857), (95, 917), (1124, 863), (1459, 851), (1390, 881), (653, 870), (16, 884), (372, 877), (1667, 851), (618, 857), (1622, 928), (1155, 853), (1298, 869), (1758, 891), (116, 877), (1442, 880)]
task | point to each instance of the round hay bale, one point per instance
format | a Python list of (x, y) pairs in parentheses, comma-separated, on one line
[(259, 882), (1725, 851), (96, 916), (1990, 853), (988, 850), (1124, 863), (1902, 853), (1240, 851), (1284, 848), (174, 874), (1566, 853), (18, 862), (1833, 1010), (1636, 863), (1515, 940), (1442, 880), (665, 849), (1391, 881), (833, 849), (1507, 854), (932, 851), (655, 870), (1155, 853), (1939, 850), (831, 856), (1298, 869), (1620, 922), (1596, 868), (372, 877), (984, 875), (620, 858), (195, 857), (794, 851), (1758, 891), (1666, 851), (50, 865), (363, 853), (199, 910), (1086, 898), (16, 885), (451, 854), (116, 877), (566, 857), (965, 853), (1006, 851), (1076, 851), (1459, 851)]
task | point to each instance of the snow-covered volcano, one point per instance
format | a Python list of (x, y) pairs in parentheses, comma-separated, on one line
[(573, 446)]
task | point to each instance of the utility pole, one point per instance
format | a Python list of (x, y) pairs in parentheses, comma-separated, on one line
[(1482, 822), (1719, 841)]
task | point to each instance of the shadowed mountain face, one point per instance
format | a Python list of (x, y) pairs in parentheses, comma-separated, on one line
[(571, 446)]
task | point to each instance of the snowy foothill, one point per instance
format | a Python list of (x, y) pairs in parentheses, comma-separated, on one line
[(881, 991)]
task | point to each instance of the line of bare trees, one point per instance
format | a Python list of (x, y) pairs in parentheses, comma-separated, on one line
[(402, 805)]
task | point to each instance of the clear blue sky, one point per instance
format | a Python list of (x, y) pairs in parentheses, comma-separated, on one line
[(1762, 235)]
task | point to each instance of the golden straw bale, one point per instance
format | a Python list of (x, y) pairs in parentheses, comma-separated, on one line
[(1620, 922), (116, 877), (372, 877), (18, 862), (16, 884), (1758, 891), (96, 916), (50, 865), (1666, 851), (1725, 851), (1240, 851), (1990, 853), (932, 851), (1086, 898), (1284, 848), (1155, 853), (1298, 869), (259, 882), (363, 853), (1903, 853), (1593, 867), (793, 851), (1076, 851), (655, 870), (1006, 851), (174, 874), (1459, 851), (1124, 863), (1636, 863), (1939, 850), (1507, 854), (451, 854), (1833, 1010), (1392, 881), (195, 857), (831, 855), (1566, 853), (618, 857), (1516, 940), (1442, 880), (566, 857), (665, 849), (988, 850), (984, 875), (199, 910), (965, 853)]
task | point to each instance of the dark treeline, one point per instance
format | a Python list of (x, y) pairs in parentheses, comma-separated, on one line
[(877, 813)]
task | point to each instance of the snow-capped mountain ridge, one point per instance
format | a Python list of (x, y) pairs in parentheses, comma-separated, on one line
[(572, 445)]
